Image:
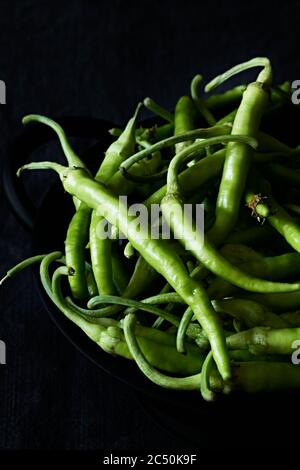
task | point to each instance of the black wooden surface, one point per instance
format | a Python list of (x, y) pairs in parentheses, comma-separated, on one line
[(99, 58)]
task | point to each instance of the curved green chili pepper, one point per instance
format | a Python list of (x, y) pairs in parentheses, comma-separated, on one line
[(284, 224), (77, 234), (22, 265), (271, 268), (156, 252)]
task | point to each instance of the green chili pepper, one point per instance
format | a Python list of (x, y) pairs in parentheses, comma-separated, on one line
[(272, 268), (228, 98), (238, 154), (284, 224), (100, 246), (22, 265), (184, 120), (264, 340), (77, 234), (156, 252)]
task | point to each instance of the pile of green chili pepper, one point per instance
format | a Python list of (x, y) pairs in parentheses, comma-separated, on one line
[(214, 311)]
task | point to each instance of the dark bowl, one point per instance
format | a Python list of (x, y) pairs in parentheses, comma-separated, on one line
[(229, 421)]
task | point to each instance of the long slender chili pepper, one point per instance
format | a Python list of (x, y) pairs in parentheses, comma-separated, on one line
[(228, 98), (22, 265), (272, 268), (77, 234), (71, 156), (76, 239), (184, 119), (100, 250), (118, 150), (156, 252), (284, 224), (100, 243), (238, 154), (264, 340)]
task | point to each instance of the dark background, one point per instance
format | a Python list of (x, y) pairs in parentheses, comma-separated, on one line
[(98, 58)]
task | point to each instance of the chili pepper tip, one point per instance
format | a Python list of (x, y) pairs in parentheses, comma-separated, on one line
[(4, 279)]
